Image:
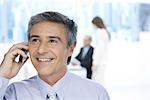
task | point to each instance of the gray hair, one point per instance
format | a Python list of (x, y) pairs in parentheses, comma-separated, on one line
[(70, 25)]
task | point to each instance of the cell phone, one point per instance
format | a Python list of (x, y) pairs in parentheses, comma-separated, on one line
[(20, 57)]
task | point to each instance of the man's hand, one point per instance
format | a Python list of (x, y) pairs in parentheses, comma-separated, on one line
[(9, 66), (94, 68)]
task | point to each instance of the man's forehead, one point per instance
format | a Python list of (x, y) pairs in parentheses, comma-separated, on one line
[(47, 27)]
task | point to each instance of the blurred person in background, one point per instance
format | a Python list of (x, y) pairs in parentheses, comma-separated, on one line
[(85, 56), (51, 41), (100, 52)]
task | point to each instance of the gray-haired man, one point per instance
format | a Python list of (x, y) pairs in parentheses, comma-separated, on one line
[(51, 41)]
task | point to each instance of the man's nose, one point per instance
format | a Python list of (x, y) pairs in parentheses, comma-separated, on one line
[(43, 48)]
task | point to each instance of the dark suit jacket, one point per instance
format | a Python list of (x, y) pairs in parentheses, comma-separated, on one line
[(88, 59)]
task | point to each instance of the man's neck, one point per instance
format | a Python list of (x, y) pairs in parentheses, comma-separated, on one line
[(52, 79)]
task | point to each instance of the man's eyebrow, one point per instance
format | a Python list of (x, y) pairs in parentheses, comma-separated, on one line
[(50, 37), (33, 36), (54, 37)]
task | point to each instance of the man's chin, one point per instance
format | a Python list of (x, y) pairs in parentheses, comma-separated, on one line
[(45, 73)]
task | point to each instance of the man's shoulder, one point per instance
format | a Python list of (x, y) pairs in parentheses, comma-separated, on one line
[(27, 82), (88, 87), (91, 47), (84, 82)]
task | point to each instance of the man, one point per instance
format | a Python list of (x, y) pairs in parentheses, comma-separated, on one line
[(52, 38), (85, 55)]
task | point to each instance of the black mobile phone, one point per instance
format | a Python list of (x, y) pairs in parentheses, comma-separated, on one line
[(20, 57)]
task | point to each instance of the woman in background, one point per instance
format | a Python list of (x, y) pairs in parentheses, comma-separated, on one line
[(100, 52)]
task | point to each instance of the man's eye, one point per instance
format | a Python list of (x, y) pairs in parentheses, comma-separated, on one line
[(34, 40), (53, 41)]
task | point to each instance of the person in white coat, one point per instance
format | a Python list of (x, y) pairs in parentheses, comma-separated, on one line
[(100, 53)]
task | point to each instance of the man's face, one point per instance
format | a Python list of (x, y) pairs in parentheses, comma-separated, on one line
[(86, 41), (48, 48)]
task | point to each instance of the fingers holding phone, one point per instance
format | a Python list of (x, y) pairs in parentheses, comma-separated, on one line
[(10, 66), (22, 57), (18, 51)]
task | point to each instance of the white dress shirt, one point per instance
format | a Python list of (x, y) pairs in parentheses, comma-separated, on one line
[(85, 50), (70, 87)]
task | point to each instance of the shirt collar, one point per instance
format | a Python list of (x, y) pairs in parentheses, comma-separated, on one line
[(58, 87), (88, 46)]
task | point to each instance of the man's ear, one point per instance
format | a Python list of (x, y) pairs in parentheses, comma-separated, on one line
[(71, 49)]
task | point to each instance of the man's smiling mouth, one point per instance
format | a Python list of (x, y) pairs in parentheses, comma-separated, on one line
[(45, 59)]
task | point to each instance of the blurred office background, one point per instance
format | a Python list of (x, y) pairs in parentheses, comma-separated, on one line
[(127, 75)]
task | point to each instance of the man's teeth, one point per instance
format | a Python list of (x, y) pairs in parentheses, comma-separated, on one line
[(40, 59)]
